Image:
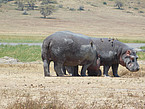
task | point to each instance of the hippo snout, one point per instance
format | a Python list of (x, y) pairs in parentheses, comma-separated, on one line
[(134, 69), (137, 69)]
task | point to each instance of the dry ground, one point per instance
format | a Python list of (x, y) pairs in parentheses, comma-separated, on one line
[(99, 21), (20, 80)]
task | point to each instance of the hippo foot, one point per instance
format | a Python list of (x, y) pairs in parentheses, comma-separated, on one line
[(61, 75), (83, 75), (47, 75), (116, 76), (107, 76)]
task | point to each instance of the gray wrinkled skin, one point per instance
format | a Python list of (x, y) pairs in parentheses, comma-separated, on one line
[(65, 48), (112, 53)]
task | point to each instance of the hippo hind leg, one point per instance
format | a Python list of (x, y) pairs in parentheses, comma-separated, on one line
[(115, 70), (58, 67), (75, 73), (84, 68), (46, 67), (106, 69)]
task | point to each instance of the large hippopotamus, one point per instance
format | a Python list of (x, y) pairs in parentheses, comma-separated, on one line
[(112, 53), (65, 48)]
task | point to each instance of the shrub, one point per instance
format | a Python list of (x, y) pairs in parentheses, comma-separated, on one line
[(20, 6), (136, 8), (119, 4), (104, 3), (47, 10), (48, 2), (72, 9), (141, 12), (25, 12), (60, 6), (81, 8)]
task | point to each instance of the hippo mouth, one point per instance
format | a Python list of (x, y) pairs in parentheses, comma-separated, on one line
[(131, 67)]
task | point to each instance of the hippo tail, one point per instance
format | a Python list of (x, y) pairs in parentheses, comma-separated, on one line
[(45, 50)]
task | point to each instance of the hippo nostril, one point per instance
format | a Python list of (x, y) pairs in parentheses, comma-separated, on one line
[(138, 69)]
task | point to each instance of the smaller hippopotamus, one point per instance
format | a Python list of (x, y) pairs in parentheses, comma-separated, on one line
[(66, 48), (92, 70), (112, 53)]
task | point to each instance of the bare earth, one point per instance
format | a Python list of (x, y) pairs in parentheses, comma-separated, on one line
[(17, 80)]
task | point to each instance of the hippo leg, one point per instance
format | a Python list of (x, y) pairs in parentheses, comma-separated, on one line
[(106, 69), (115, 70), (64, 70), (46, 67), (84, 68), (99, 72), (58, 69), (75, 71)]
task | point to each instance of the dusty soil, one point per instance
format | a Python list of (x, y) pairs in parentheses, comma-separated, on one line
[(18, 79)]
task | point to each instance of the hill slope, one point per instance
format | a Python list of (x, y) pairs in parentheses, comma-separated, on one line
[(97, 20)]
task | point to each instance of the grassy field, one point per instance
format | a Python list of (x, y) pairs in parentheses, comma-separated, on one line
[(23, 53), (21, 39), (39, 39)]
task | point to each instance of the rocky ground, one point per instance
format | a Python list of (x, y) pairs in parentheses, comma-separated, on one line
[(19, 80)]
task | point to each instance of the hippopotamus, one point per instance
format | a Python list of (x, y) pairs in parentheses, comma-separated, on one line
[(66, 48), (92, 70), (112, 53)]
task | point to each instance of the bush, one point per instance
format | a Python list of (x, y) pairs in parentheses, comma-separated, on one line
[(72, 9), (60, 6), (141, 12), (136, 8), (21, 6), (44, 2), (119, 4), (25, 12), (104, 3), (81, 8), (47, 10)]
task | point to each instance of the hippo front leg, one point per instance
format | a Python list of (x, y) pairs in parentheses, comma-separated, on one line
[(115, 70), (84, 69), (75, 73), (106, 69), (46, 68), (58, 69)]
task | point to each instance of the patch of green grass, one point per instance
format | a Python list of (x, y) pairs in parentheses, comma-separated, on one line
[(141, 55), (131, 41), (142, 47), (21, 39), (23, 53), (39, 39)]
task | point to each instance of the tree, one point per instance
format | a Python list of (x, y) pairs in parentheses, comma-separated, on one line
[(31, 4), (47, 10), (44, 2), (119, 4), (21, 6)]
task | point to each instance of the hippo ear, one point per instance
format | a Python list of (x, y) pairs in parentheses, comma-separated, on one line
[(91, 43), (128, 52)]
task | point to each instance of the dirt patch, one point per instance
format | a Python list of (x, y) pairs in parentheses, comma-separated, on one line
[(18, 80)]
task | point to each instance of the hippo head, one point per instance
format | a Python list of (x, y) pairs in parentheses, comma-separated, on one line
[(129, 60)]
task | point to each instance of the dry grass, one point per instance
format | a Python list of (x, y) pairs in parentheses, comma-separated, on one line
[(100, 21), (24, 86), (42, 103)]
